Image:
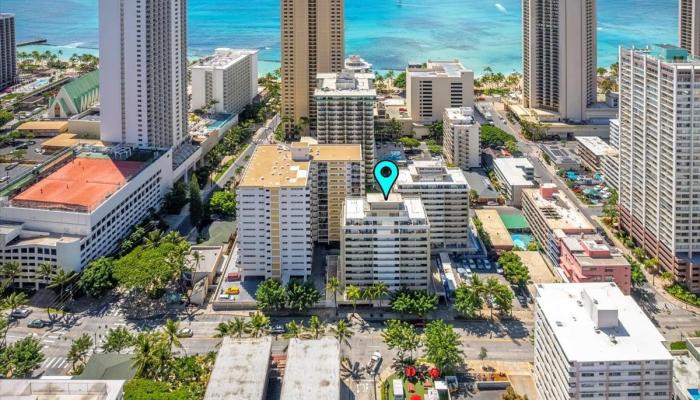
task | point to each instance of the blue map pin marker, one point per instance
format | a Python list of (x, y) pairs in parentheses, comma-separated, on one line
[(385, 173)]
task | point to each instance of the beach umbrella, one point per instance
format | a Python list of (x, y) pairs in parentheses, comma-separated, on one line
[(434, 373), (410, 371), (416, 397)]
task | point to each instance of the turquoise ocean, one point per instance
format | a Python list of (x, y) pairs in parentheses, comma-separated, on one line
[(387, 33)]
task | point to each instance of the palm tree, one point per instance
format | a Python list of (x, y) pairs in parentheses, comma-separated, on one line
[(381, 290), (4, 327), (153, 239), (294, 330), (368, 294), (666, 278), (490, 290), (173, 237), (237, 327), (223, 329), (170, 330), (342, 332), (60, 280), (11, 271), (14, 301), (333, 285), (353, 294), (45, 272), (144, 354), (316, 327), (259, 324), (79, 350)]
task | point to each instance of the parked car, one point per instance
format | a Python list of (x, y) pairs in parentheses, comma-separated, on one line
[(21, 313), (11, 166), (278, 329), (374, 362), (37, 323), (185, 333)]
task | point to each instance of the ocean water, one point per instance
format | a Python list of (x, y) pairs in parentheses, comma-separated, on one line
[(387, 33)]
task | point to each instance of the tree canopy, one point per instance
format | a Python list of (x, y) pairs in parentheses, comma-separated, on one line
[(493, 137), (418, 302), (150, 269), (96, 278), (442, 345)]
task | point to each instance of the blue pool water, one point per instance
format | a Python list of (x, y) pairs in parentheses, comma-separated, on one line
[(521, 239), (694, 393)]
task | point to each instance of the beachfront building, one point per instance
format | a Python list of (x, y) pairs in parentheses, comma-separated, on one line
[(8, 51), (435, 86), (143, 72), (689, 26), (559, 56), (312, 42), (289, 198), (588, 258), (552, 217), (592, 150), (461, 145), (515, 174), (81, 211), (225, 82), (345, 111), (357, 64), (445, 196), (592, 341), (76, 96), (385, 241), (658, 165)]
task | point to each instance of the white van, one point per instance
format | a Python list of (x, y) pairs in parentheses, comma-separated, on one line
[(397, 385)]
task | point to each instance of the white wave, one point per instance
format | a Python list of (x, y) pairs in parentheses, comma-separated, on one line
[(74, 45), (500, 8)]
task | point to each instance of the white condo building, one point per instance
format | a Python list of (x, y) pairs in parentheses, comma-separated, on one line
[(8, 51), (226, 81), (438, 85), (611, 162), (659, 183), (593, 342), (345, 111), (143, 72), (445, 196), (461, 144), (515, 174), (689, 25), (385, 241)]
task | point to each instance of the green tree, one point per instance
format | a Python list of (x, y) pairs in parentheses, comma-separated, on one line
[(223, 203), (493, 137), (14, 301), (96, 278), (79, 350), (151, 355), (436, 131), (514, 270), (10, 271), (468, 300), (61, 279), (45, 272), (503, 299), (316, 327), (380, 290), (301, 296), (5, 117), (402, 336), (117, 339), (418, 302), (237, 327), (195, 197), (353, 293), (150, 269), (294, 330), (259, 324), (270, 295), (21, 358), (333, 286), (4, 327), (473, 196), (409, 142), (342, 332), (170, 330), (400, 81), (442, 346), (511, 394), (177, 198), (489, 291)]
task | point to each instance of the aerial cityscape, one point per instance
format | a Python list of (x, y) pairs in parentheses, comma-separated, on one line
[(339, 204)]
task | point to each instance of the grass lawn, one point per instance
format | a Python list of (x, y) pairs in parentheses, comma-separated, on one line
[(388, 394)]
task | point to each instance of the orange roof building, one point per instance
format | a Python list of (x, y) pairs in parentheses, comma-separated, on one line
[(79, 186)]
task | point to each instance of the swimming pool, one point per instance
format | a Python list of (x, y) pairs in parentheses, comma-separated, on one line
[(521, 239), (694, 393)]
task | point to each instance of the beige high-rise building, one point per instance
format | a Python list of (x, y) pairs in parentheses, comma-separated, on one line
[(312, 42), (689, 25), (559, 56), (435, 86)]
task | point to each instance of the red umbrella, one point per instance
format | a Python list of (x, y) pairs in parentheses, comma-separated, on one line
[(434, 373), (416, 397), (410, 372)]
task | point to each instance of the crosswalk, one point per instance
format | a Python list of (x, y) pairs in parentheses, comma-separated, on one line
[(55, 363)]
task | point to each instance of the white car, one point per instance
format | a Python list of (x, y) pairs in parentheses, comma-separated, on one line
[(21, 313)]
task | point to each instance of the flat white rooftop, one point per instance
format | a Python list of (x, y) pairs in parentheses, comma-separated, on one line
[(430, 172), (435, 69), (60, 389), (594, 144), (224, 58), (460, 115), (312, 371), (632, 338), (240, 371), (513, 170), (346, 83)]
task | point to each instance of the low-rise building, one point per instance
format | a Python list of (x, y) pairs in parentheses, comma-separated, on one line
[(515, 174), (76, 96), (445, 196), (686, 371), (561, 157), (290, 197), (591, 341), (81, 211), (61, 389), (226, 81), (43, 128), (385, 241), (435, 86), (590, 259), (312, 370), (592, 151), (495, 229), (552, 217), (250, 358), (461, 145)]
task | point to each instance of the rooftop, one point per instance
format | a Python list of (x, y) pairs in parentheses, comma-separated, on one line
[(345, 83), (374, 204), (479, 182), (592, 251), (622, 331), (79, 186), (436, 69), (273, 165), (557, 210), (313, 370), (60, 389), (594, 144), (357, 63), (224, 58), (63, 140), (43, 126), (513, 169), (460, 115), (240, 371), (430, 172), (494, 227)]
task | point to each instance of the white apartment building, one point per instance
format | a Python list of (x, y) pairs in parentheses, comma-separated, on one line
[(559, 56), (689, 26), (445, 196), (461, 144), (385, 241), (8, 51), (80, 212), (438, 85), (592, 150), (143, 72), (226, 81), (611, 161), (345, 111), (515, 174), (356, 64), (593, 342), (659, 185), (288, 198)]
